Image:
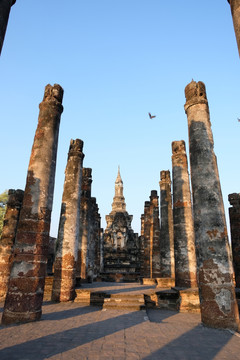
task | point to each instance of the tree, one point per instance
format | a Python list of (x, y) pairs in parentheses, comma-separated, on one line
[(3, 206)]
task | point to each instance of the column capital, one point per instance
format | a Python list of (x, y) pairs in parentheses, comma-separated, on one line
[(195, 93)]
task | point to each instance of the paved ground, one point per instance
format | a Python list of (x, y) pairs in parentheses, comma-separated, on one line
[(69, 331)]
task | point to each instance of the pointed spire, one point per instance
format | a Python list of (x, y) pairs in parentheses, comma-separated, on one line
[(119, 200), (118, 179)]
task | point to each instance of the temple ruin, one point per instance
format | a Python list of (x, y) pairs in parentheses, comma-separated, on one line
[(182, 252), (120, 243)]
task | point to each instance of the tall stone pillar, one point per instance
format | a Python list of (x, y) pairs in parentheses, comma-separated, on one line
[(84, 223), (5, 7), (234, 214), (217, 294), (141, 247), (14, 204), (184, 245), (25, 292), (167, 239), (154, 236), (147, 244), (235, 9), (68, 232)]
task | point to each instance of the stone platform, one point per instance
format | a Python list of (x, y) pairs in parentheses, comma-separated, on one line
[(137, 297)]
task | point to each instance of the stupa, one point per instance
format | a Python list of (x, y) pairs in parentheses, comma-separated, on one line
[(121, 246)]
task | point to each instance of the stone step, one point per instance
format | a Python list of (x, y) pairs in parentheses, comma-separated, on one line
[(86, 297), (133, 302), (123, 306)]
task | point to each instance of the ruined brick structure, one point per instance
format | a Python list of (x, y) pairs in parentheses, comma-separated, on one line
[(235, 9), (82, 264), (167, 240), (234, 214), (184, 242), (146, 244), (90, 233), (94, 241), (217, 293), (14, 204), (25, 292), (121, 247), (5, 7), (68, 232), (141, 248), (151, 239), (154, 236)]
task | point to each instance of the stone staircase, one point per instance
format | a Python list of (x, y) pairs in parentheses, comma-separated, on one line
[(125, 302)]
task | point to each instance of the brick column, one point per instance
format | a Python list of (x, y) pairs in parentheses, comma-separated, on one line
[(5, 7), (146, 242), (184, 245), (154, 236), (68, 232), (235, 9), (234, 214), (217, 294), (25, 292), (166, 238), (84, 223), (141, 247), (14, 204)]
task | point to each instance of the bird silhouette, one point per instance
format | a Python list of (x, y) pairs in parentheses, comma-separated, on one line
[(238, 119), (151, 116)]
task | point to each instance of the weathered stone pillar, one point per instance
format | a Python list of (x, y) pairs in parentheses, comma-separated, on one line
[(84, 223), (217, 294), (25, 292), (68, 232), (141, 247), (154, 236), (147, 245), (5, 7), (166, 238), (234, 214), (235, 9), (92, 252), (184, 245), (14, 204)]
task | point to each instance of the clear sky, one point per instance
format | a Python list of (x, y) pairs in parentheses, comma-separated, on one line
[(117, 60)]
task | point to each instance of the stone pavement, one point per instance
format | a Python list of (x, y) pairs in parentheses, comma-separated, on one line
[(71, 331)]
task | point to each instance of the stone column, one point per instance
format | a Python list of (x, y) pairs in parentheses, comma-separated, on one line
[(166, 239), (235, 9), (184, 245), (141, 247), (84, 223), (154, 236), (5, 7), (25, 292), (234, 214), (14, 204), (68, 232), (217, 293), (93, 240), (147, 253)]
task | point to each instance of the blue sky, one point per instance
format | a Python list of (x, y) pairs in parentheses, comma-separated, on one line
[(117, 60)]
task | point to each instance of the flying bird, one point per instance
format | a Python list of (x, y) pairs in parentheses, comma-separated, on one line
[(238, 119), (151, 116)]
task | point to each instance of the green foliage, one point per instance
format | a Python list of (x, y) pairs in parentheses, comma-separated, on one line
[(3, 203)]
